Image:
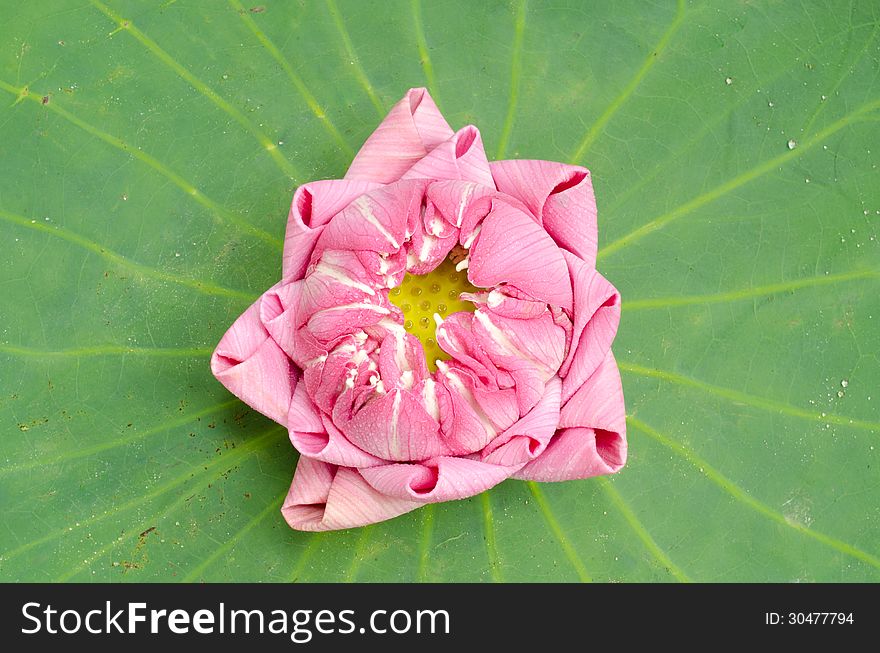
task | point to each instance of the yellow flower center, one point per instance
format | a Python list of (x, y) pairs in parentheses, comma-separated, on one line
[(421, 296)]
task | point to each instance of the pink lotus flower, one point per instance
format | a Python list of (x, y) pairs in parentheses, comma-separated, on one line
[(530, 390)]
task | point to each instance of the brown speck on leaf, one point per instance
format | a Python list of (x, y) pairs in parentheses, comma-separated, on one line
[(247, 495), (212, 425), (148, 531), (258, 9), (45, 99)]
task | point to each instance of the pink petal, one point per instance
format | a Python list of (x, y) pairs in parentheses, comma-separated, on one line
[(311, 482), (512, 248), (592, 439), (331, 323), (402, 360), (596, 315), (514, 343), (531, 350), (431, 239), (325, 497), (560, 196), (314, 204), (336, 273), (509, 302), (535, 429), (443, 479), (253, 367), (456, 337), (393, 426), (327, 377), (412, 128), (461, 203), (465, 425), (599, 401), (461, 157), (375, 221), (577, 453), (331, 446), (500, 405), (304, 415), (280, 315), (313, 435)]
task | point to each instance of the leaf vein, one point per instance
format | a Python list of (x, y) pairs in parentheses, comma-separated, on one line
[(749, 400), (122, 261), (597, 127), (744, 497), (567, 547), (642, 532), (295, 79), (200, 86), (515, 69)]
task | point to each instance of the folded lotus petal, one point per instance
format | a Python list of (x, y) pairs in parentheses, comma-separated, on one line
[(412, 128), (326, 377), (596, 315), (376, 220), (314, 204), (384, 269), (493, 404), (592, 439), (303, 415), (253, 367), (529, 388), (325, 497), (401, 361), (500, 405), (311, 482), (513, 343), (319, 294), (536, 429), (278, 313), (577, 453), (394, 426), (456, 337), (462, 204), (507, 302), (330, 323), (431, 239), (337, 270), (331, 446), (425, 252), (442, 479), (512, 248), (464, 423), (559, 195), (461, 157), (598, 403)]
